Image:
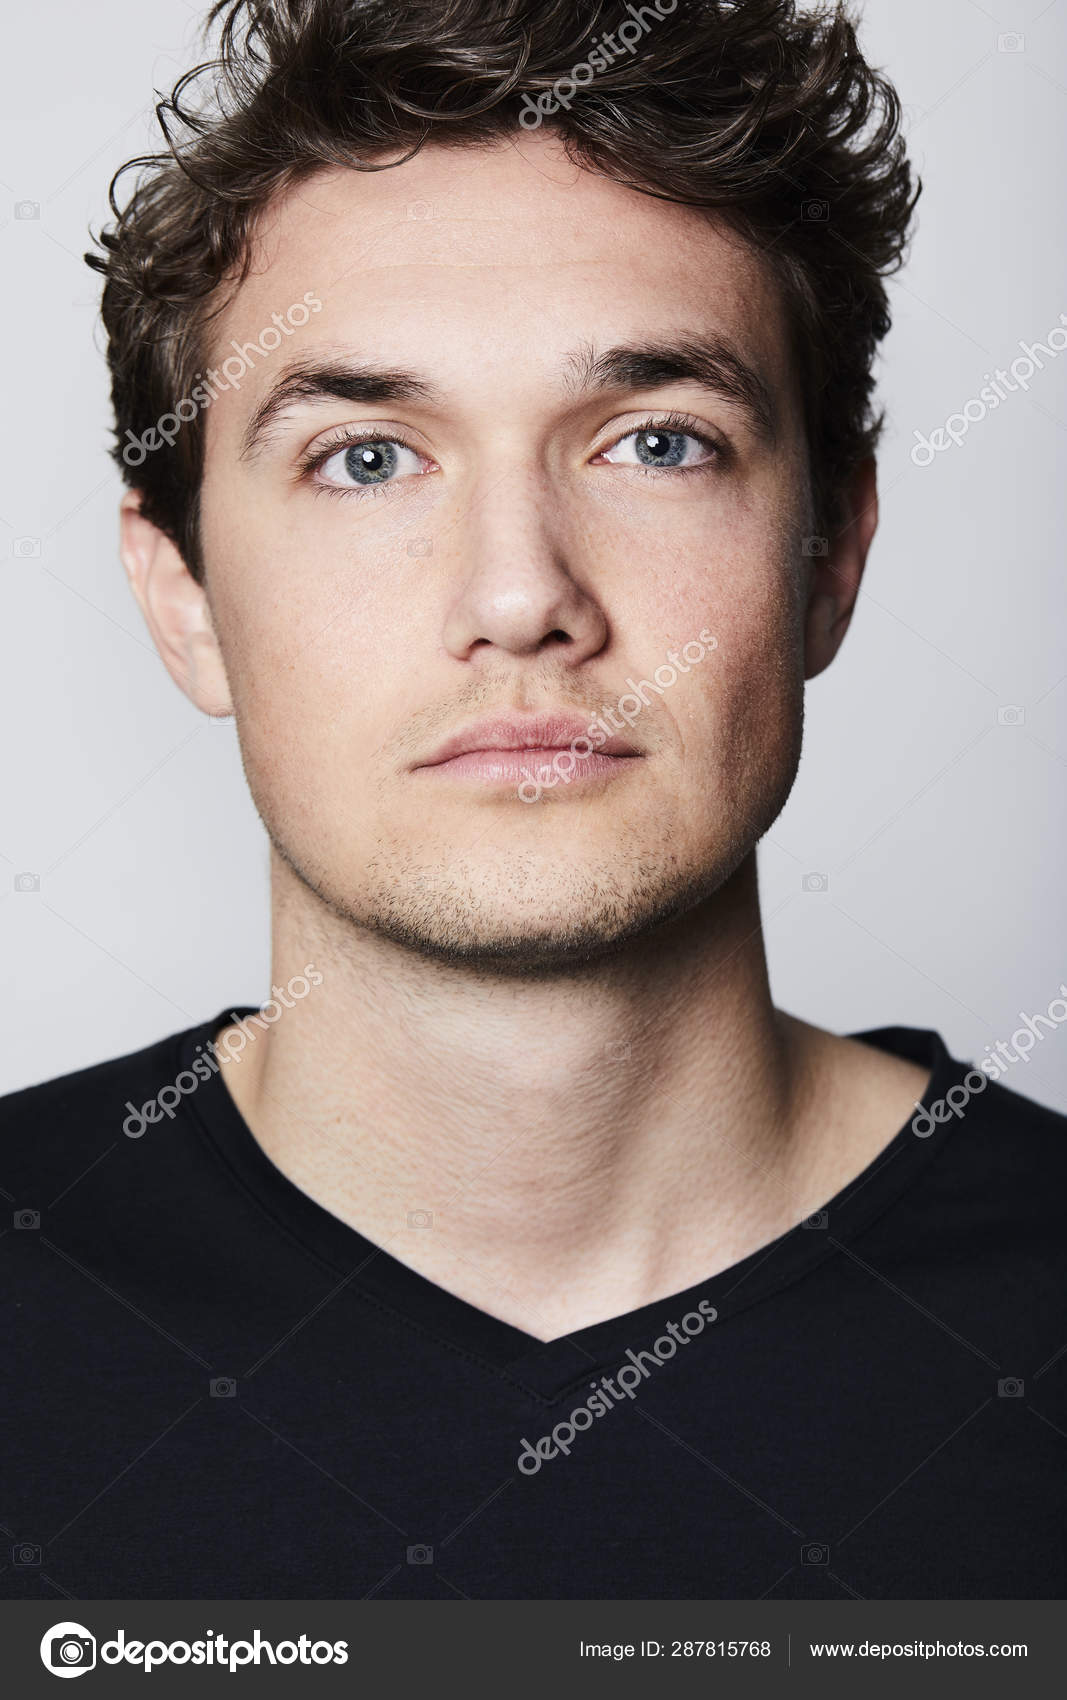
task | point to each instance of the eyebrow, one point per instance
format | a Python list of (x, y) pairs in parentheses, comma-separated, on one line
[(336, 380), (710, 362)]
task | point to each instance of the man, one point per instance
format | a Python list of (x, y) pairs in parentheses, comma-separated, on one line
[(497, 420)]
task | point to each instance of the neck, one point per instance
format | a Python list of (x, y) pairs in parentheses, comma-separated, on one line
[(550, 1148)]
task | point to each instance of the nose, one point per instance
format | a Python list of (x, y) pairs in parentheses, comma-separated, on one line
[(521, 589)]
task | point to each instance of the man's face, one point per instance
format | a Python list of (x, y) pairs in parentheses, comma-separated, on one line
[(509, 541)]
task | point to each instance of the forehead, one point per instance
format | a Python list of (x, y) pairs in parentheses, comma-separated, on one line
[(498, 258)]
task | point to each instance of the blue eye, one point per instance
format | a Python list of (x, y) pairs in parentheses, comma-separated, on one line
[(363, 464), (655, 445), (660, 448)]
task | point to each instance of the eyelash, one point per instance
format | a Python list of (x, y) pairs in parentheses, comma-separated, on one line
[(678, 423)]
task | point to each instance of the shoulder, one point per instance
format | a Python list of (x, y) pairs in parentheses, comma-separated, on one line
[(68, 1113), (996, 1155), (1016, 1138), (959, 1094), (993, 1196)]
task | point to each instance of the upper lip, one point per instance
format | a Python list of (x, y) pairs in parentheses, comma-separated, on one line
[(525, 732)]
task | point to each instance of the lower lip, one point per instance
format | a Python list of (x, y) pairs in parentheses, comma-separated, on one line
[(539, 767)]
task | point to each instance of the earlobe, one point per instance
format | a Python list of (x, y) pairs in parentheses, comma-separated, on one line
[(835, 577), (175, 608), (819, 645)]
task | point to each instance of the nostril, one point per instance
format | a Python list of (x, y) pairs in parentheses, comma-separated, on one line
[(557, 637)]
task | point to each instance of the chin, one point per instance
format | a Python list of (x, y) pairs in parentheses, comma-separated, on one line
[(524, 919)]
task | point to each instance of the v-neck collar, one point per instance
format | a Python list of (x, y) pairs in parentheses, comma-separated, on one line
[(548, 1370)]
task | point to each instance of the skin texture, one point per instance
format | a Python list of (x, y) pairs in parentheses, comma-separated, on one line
[(567, 996)]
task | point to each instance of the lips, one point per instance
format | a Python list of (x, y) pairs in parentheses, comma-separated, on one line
[(536, 739), (531, 754)]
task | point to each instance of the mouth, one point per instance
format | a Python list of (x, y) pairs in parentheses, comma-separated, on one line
[(542, 749)]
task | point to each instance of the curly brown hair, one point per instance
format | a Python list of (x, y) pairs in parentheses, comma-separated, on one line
[(766, 113)]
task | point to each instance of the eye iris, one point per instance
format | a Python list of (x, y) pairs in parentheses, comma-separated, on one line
[(370, 463), (661, 448)]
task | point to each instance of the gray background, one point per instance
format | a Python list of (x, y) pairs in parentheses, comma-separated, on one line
[(936, 820)]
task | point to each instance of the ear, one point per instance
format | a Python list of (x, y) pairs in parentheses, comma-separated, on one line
[(175, 608), (836, 573)]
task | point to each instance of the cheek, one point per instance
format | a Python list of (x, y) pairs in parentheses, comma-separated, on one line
[(301, 631), (753, 690), (307, 664)]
